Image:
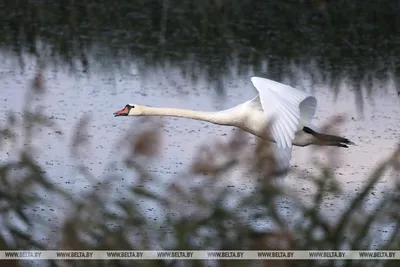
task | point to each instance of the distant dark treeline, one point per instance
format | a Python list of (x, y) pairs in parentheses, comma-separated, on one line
[(357, 38)]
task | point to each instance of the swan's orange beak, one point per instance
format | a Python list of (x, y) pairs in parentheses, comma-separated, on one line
[(122, 112)]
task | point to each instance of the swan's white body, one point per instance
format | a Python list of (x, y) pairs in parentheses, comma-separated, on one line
[(284, 109)]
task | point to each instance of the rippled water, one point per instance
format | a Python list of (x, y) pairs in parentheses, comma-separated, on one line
[(70, 97)]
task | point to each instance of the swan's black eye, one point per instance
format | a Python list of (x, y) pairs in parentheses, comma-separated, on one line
[(129, 106)]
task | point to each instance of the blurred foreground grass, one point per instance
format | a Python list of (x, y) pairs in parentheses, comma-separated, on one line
[(194, 213)]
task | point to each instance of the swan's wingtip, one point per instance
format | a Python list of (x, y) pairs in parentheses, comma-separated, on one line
[(351, 143), (255, 78)]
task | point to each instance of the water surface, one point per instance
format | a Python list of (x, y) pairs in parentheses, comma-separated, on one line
[(69, 97), (200, 55)]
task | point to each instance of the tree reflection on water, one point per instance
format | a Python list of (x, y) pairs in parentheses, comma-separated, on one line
[(328, 40)]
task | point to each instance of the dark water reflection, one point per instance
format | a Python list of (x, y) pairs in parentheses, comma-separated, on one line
[(223, 40), (353, 39)]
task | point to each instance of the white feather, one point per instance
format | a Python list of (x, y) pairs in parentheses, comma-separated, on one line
[(289, 108), (282, 157)]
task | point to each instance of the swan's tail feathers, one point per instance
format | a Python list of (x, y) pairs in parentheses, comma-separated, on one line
[(329, 140)]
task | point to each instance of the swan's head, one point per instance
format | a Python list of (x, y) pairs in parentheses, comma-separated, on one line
[(130, 110)]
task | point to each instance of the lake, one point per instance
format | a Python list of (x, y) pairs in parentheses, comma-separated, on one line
[(201, 56), (69, 97)]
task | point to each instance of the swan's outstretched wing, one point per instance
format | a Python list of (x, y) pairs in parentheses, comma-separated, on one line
[(282, 158), (289, 109)]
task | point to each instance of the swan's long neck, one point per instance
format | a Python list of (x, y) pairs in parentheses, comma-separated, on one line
[(221, 118)]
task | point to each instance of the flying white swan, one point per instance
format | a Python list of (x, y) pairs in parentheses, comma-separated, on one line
[(287, 111)]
